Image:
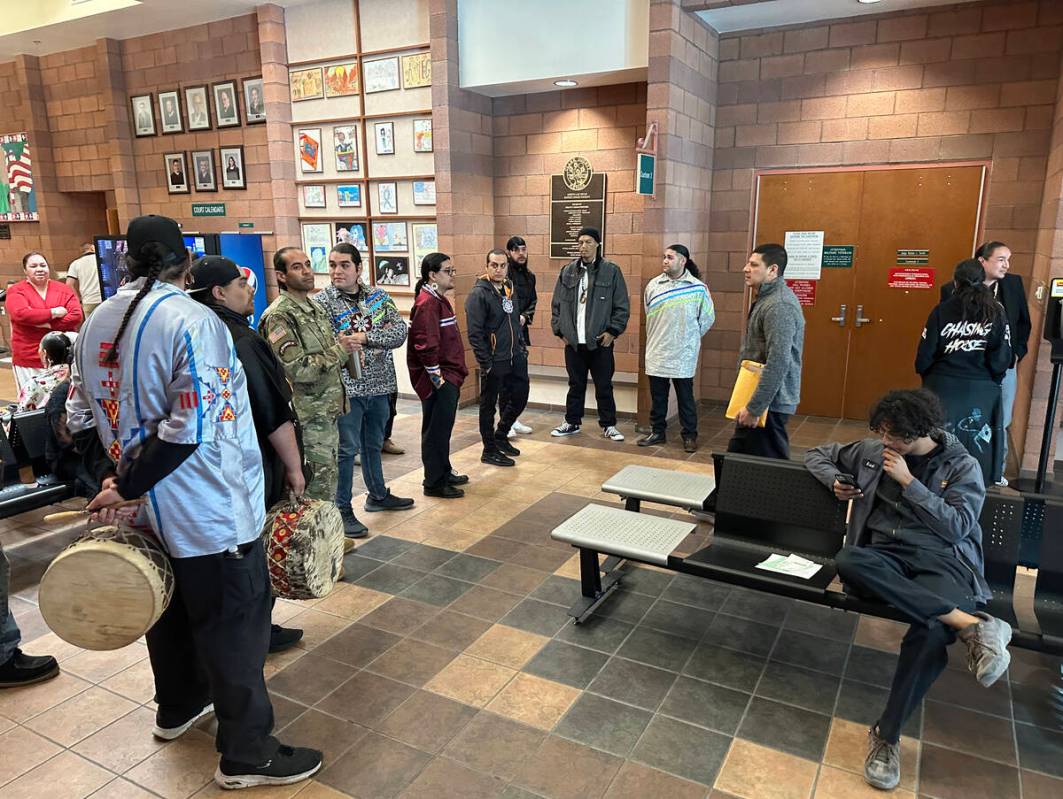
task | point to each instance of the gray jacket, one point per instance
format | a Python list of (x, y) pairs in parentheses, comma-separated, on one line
[(775, 337), (607, 305), (948, 507)]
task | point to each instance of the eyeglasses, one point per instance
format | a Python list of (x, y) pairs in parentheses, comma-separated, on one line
[(451, 272)]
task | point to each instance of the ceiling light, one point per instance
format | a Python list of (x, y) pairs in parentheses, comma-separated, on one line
[(566, 83), (868, 2)]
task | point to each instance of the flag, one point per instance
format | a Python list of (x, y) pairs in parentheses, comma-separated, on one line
[(19, 171)]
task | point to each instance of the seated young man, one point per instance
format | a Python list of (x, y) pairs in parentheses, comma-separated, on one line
[(914, 543)]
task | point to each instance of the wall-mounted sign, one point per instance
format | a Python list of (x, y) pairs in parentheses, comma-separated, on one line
[(208, 209), (18, 195), (804, 254), (246, 225), (5, 231), (909, 278), (838, 255), (805, 291), (647, 167), (577, 200), (913, 257)]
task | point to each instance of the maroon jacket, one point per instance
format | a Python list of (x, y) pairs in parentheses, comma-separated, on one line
[(435, 344)]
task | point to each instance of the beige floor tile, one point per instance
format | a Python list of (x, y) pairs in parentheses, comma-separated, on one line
[(136, 683), (98, 666), (454, 540), (470, 680), (351, 601), (847, 747), (534, 701), (22, 751), (180, 769), (213, 791), (756, 772), (52, 644), (286, 609), (570, 568), (6, 724), (65, 776), (506, 646), (27, 702), (883, 634), (492, 516), (317, 627), (81, 716), (837, 784), (124, 744), (122, 789), (281, 661), (318, 790)]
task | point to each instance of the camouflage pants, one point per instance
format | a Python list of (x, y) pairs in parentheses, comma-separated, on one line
[(320, 442)]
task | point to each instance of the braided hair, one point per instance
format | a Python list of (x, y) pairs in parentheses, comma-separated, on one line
[(976, 299), (153, 261)]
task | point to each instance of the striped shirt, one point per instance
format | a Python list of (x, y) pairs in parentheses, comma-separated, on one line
[(678, 313)]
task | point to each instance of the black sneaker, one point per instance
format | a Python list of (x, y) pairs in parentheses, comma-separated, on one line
[(289, 765), (169, 726), (352, 528), (446, 492), (389, 502), (505, 447), (282, 638), (23, 669), (496, 458), (456, 479), (652, 440)]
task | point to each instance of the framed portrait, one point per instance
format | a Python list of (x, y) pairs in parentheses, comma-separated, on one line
[(416, 70), (170, 112), (349, 196), (143, 115), (197, 106), (381, 75), (204, 177), (422, 135), (387, 198), (425, 240), (424, 192), (314, 195), (176, 172), (345, 143), (352, 233), (317, 241), (232, 167), (226, 109), (390, 237), (310, 150), (392, 270), (341, 80), (384, 135), (254, 100), (306, 84)]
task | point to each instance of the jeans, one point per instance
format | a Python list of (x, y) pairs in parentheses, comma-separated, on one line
[(770, 441), (437, 423), (512, 387), (1008, 387), (9, 634), (684, 394), (601, 364), (362, 427), (393, 399)]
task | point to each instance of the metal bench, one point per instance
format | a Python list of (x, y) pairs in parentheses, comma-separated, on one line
[(663, 486)]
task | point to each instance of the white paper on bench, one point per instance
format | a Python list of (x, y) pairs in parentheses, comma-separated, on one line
[(791, 564)]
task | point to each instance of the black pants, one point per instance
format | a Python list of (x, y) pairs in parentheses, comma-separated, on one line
[(684, 394), (393, 399), (601, 365), (437, 423), (210, 645), (510, 382), (923, 585), (770, 441)]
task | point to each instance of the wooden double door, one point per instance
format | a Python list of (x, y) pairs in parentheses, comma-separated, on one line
[(908, 228)]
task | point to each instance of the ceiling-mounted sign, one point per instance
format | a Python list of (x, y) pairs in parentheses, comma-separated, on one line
[(577, 200), (805, 291), (647, 167), (909, 278), (838, 255), (913, 257), (804, 254), (208, 209)]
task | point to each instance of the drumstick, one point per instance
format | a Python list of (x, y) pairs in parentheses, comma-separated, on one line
[(70, 515)]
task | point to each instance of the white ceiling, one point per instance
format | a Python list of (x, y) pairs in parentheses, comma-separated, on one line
[(776, 13)]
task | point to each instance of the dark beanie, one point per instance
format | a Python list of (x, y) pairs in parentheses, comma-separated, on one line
[(592, 232)]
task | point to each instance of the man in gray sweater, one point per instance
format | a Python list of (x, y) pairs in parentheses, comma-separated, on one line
[(775, 337)]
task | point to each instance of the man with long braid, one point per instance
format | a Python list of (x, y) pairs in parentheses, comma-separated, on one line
[(159, 406)]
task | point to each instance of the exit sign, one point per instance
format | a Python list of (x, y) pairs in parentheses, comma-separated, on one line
[(208, 209)]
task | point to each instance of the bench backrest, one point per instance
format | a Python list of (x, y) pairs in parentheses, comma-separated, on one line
[(1050, 565), (29, 434), (1001, 523)]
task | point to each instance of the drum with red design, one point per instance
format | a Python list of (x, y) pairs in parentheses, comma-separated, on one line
[(303, 540)]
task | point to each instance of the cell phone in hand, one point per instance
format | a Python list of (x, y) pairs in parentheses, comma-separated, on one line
[(847, 480)]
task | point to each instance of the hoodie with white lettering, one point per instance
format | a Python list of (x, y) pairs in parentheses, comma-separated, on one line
[(956, 347)]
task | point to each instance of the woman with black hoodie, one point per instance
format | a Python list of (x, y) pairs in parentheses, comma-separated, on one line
[(963, 355)]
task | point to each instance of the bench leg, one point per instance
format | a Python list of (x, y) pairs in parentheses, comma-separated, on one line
[(633, 504), (593, 587)]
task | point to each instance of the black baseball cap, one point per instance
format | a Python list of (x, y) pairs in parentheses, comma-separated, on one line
[(160, 229), (210, 271)]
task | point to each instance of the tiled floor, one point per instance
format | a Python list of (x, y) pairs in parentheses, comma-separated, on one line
[(445, 666)]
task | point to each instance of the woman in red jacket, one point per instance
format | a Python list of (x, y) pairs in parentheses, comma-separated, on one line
[(436, 360), (37, 306)]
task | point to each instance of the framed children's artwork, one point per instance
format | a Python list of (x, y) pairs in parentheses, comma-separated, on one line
[(390, 237), (422, 135), (226, 109), (203, 174), (424, 192), (416, 70), (197, 104), (306, 84), (310, 150), (425, 240), (176, 173), (392, 270), (349, 196), (232, 167), (381, 75), (352, 233), (384, 135), (170, 112), (143, 115), (345, 143), (317, 241), (313, 195), (341, 80), (254, 100), (387, 198)]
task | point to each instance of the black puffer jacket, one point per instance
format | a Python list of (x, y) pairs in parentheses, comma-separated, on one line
[(523, 280), (493, 322)]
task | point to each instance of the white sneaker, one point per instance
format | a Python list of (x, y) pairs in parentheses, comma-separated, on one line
[(565, 429), (1002, 482), (613, 434), (523, 429), (512, 432)]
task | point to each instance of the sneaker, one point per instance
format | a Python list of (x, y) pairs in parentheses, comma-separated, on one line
[(612, 433), (505, 447), (358, 459), (388, 502), (1002, 482), (445, 492), (652, 440), (352, 528), (512, 432), (987, 648), (523, 429), (289, 765), (456, 479), (391, 448), (565, 429), (496, 458), (167, 727), (282, 638), (23, 669), (690, 443), (882, 766)]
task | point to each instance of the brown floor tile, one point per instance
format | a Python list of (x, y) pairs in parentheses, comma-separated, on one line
[(365, 699), (351, 601), (451, 630), (98, 666), (514, 579), (317, 627), (561, 769), (180, 769), (413, 662), (757, 772), (23, 750), (837, 784), (507, 646), (123, 744), (976, 734), (945, 774), (427, 721), (635, 780), (80, 716), (470, 680), (444, 779), (485, 603), (493, 744), (534, 701), (309, 679), (1040, 786), (378, 768), (136, 683), (400, 615), (122, 789), (65, 776), (6, 724), (317, 730), (847, 747), (214, 791), (29, 701), (318, 790), (881, 634)]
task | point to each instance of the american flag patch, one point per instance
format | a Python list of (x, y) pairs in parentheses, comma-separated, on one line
[(277, 334)]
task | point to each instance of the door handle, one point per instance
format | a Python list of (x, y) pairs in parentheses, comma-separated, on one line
[(860, 320), (840, 319)]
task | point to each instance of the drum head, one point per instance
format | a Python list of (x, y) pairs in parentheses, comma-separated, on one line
[(101, 595)]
